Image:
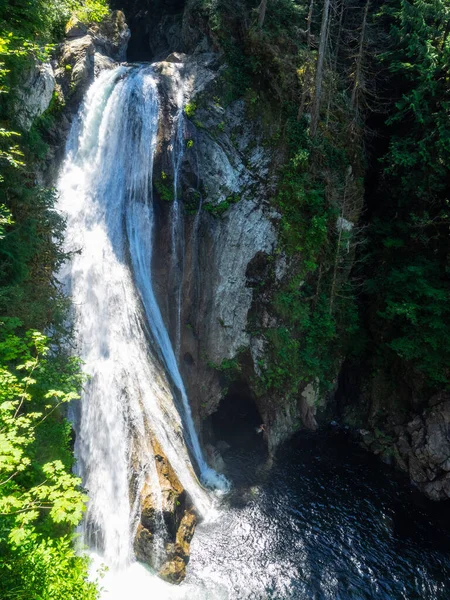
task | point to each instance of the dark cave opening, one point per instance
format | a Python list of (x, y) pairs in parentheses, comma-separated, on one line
[(155, 26), (236, 432)]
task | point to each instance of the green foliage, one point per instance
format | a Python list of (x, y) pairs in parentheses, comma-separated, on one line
[(228, 364), (311, 343), (42, 21), (318, 320), (302, 202), (164, 187), (409, 281), (229, 367), (299, 357), (40, 500), (47, 569), (316, 307), (258, 60), (218, 210), (30, 253), (89, 11), (190, 109)]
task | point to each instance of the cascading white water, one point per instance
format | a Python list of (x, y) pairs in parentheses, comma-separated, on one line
[(177, 230), (106, 194)]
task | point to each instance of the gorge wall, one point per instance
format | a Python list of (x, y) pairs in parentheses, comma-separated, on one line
[(234, 260), (229, 288)]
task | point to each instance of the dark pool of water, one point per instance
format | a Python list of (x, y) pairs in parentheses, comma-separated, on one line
[(328, 521)]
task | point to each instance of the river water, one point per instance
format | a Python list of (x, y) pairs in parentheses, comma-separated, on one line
[(327, 522)]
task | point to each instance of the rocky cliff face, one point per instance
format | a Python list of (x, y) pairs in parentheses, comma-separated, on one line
[(421, 447), (229, 264), (405, 428)]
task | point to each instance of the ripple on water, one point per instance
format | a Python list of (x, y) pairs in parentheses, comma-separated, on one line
[(327, 523)]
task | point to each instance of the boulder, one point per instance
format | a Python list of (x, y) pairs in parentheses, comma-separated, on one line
[(422, 449), (111, 36), (173, 571), (185, 533), (144, 545), (34, 94), (167, 514), (86, 51), (76, 28)]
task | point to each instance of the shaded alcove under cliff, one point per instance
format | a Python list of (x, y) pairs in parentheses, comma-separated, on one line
[(155, 27), (234, 432)]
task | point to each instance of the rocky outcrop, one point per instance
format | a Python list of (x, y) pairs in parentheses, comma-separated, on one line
[(34, 94), (167, 514), (421, 447), (86, 51), (164, 26)]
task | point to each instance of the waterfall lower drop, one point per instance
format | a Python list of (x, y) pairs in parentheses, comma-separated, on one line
[(135, 386)]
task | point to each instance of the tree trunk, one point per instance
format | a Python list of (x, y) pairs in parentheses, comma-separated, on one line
[(359, 59), (309, 24), (262, 13), (315, 113), (338, 38), (340, 227), (335, 59), (301, 108)]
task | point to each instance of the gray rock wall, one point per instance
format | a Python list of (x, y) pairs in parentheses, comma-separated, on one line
[(226, 182), (420, 447)]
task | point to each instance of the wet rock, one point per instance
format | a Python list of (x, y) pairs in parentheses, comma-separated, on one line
[(167, 516), (185, 533), (111, 36), (421, 448), (226, 167), (144, 545), (75, 69), (75, 28), (173, 571), (34, 94), (86, 51), (214, 458), (309, 398), (416, 471), (223, 446)]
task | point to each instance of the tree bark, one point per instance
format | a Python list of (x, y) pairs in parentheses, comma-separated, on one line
[(301, 108), (262, 13), (309, 24), (359, 59), (315, 113), (336, 57)]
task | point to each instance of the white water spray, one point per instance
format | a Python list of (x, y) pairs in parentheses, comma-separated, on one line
[(106, 195)]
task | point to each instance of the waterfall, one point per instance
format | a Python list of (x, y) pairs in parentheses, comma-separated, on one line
[(177, 230), (134, 390)]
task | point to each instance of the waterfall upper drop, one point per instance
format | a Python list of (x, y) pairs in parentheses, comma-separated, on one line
[(134, 405)]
